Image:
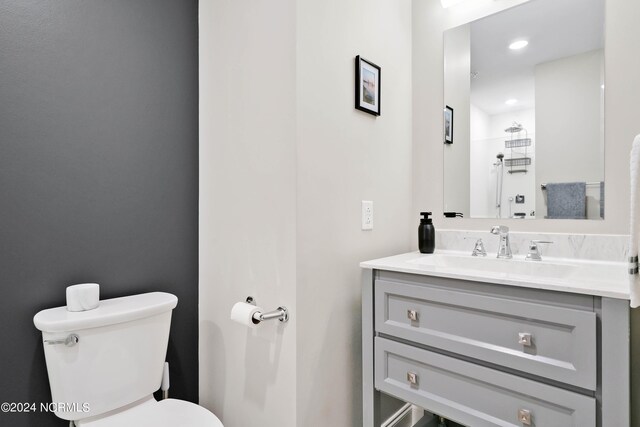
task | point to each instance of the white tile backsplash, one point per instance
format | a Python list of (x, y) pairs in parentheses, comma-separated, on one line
[(597, 247)]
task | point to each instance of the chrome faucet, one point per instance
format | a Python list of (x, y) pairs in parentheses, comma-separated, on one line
[(504, 248)]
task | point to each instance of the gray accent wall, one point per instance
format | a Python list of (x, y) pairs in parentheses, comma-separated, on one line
[(98, 172)]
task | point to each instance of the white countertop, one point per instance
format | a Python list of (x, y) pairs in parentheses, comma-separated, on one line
[(598, 278)]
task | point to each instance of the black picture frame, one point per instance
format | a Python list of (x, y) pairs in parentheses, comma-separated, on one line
[(448, 125), (368, 86)]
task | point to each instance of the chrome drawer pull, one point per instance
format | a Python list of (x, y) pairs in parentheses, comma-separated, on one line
[(524, 416), (412, 315), (412, 377), (524, 338)]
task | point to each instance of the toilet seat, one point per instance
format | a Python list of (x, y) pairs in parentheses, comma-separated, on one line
[(151, 413)]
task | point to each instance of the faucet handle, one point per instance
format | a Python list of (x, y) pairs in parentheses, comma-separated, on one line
[(534, 251), (535, 243), (478, 249)]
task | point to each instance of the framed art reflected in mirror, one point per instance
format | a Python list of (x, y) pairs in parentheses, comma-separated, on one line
[(448, 125)]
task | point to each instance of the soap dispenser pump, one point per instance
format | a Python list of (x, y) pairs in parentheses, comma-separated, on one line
[(426, 234)]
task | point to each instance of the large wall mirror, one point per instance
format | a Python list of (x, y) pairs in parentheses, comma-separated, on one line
[(524, 113)]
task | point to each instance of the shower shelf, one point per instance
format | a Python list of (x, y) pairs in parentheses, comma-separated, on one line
[(518, 161), (518, 144), (524, 142)]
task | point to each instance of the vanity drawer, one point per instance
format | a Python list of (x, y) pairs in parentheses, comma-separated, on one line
[(475, 395), (548, 341)]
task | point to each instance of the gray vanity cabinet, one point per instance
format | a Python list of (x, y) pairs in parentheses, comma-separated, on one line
[(558, 343), (481, 396), (496, 355)]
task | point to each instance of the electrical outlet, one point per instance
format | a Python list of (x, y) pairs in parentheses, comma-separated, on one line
[(367, 215)]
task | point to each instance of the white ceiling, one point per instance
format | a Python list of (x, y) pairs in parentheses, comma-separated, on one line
[(554, 29)]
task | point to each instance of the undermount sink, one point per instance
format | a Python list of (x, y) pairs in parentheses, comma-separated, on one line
[(519, 267)]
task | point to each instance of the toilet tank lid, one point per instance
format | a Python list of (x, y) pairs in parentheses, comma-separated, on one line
[(110, 312)]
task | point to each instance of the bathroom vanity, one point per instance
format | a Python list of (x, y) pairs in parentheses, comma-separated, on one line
[(491, 342)]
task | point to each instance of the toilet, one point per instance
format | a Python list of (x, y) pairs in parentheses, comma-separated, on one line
[(105, 364)]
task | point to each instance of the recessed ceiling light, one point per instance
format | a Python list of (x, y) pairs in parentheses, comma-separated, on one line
[(517, 45), (511, 101)]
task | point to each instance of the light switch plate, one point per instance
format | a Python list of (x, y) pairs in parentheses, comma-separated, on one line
[(367, 215)]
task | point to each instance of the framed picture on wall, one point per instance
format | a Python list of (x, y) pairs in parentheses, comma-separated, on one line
[(367, 86), (448, 125)]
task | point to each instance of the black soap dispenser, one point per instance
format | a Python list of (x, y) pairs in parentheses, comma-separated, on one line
[(426, 234)]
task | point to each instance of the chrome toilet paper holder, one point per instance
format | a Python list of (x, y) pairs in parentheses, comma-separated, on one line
[(281, 313)]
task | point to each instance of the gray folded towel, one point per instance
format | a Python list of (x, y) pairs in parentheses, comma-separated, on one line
[(602, 199), (567, 200)]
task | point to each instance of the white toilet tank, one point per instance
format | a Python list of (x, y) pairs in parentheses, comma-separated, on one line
[(118, 358)]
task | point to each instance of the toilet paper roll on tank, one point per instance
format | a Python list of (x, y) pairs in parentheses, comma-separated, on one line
[(83, 297)]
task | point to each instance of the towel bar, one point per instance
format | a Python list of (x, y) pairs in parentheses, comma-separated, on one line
[(544, 186)]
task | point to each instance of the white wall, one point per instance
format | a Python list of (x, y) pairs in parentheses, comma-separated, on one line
[(568, 114), (622, 66), (247, 208), (457, 65), (285, 162), (499, 122), (346, 156), (479, 127), (482, 198)]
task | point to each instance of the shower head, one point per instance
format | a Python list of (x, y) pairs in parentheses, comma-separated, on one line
[(500, 156), (515, 127)]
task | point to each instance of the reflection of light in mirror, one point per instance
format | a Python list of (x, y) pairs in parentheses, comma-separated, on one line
[(602, 87), (511, 101), (517, 45)]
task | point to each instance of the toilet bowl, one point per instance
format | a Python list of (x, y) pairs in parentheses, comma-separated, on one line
[(151, 413), (105, 364)]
